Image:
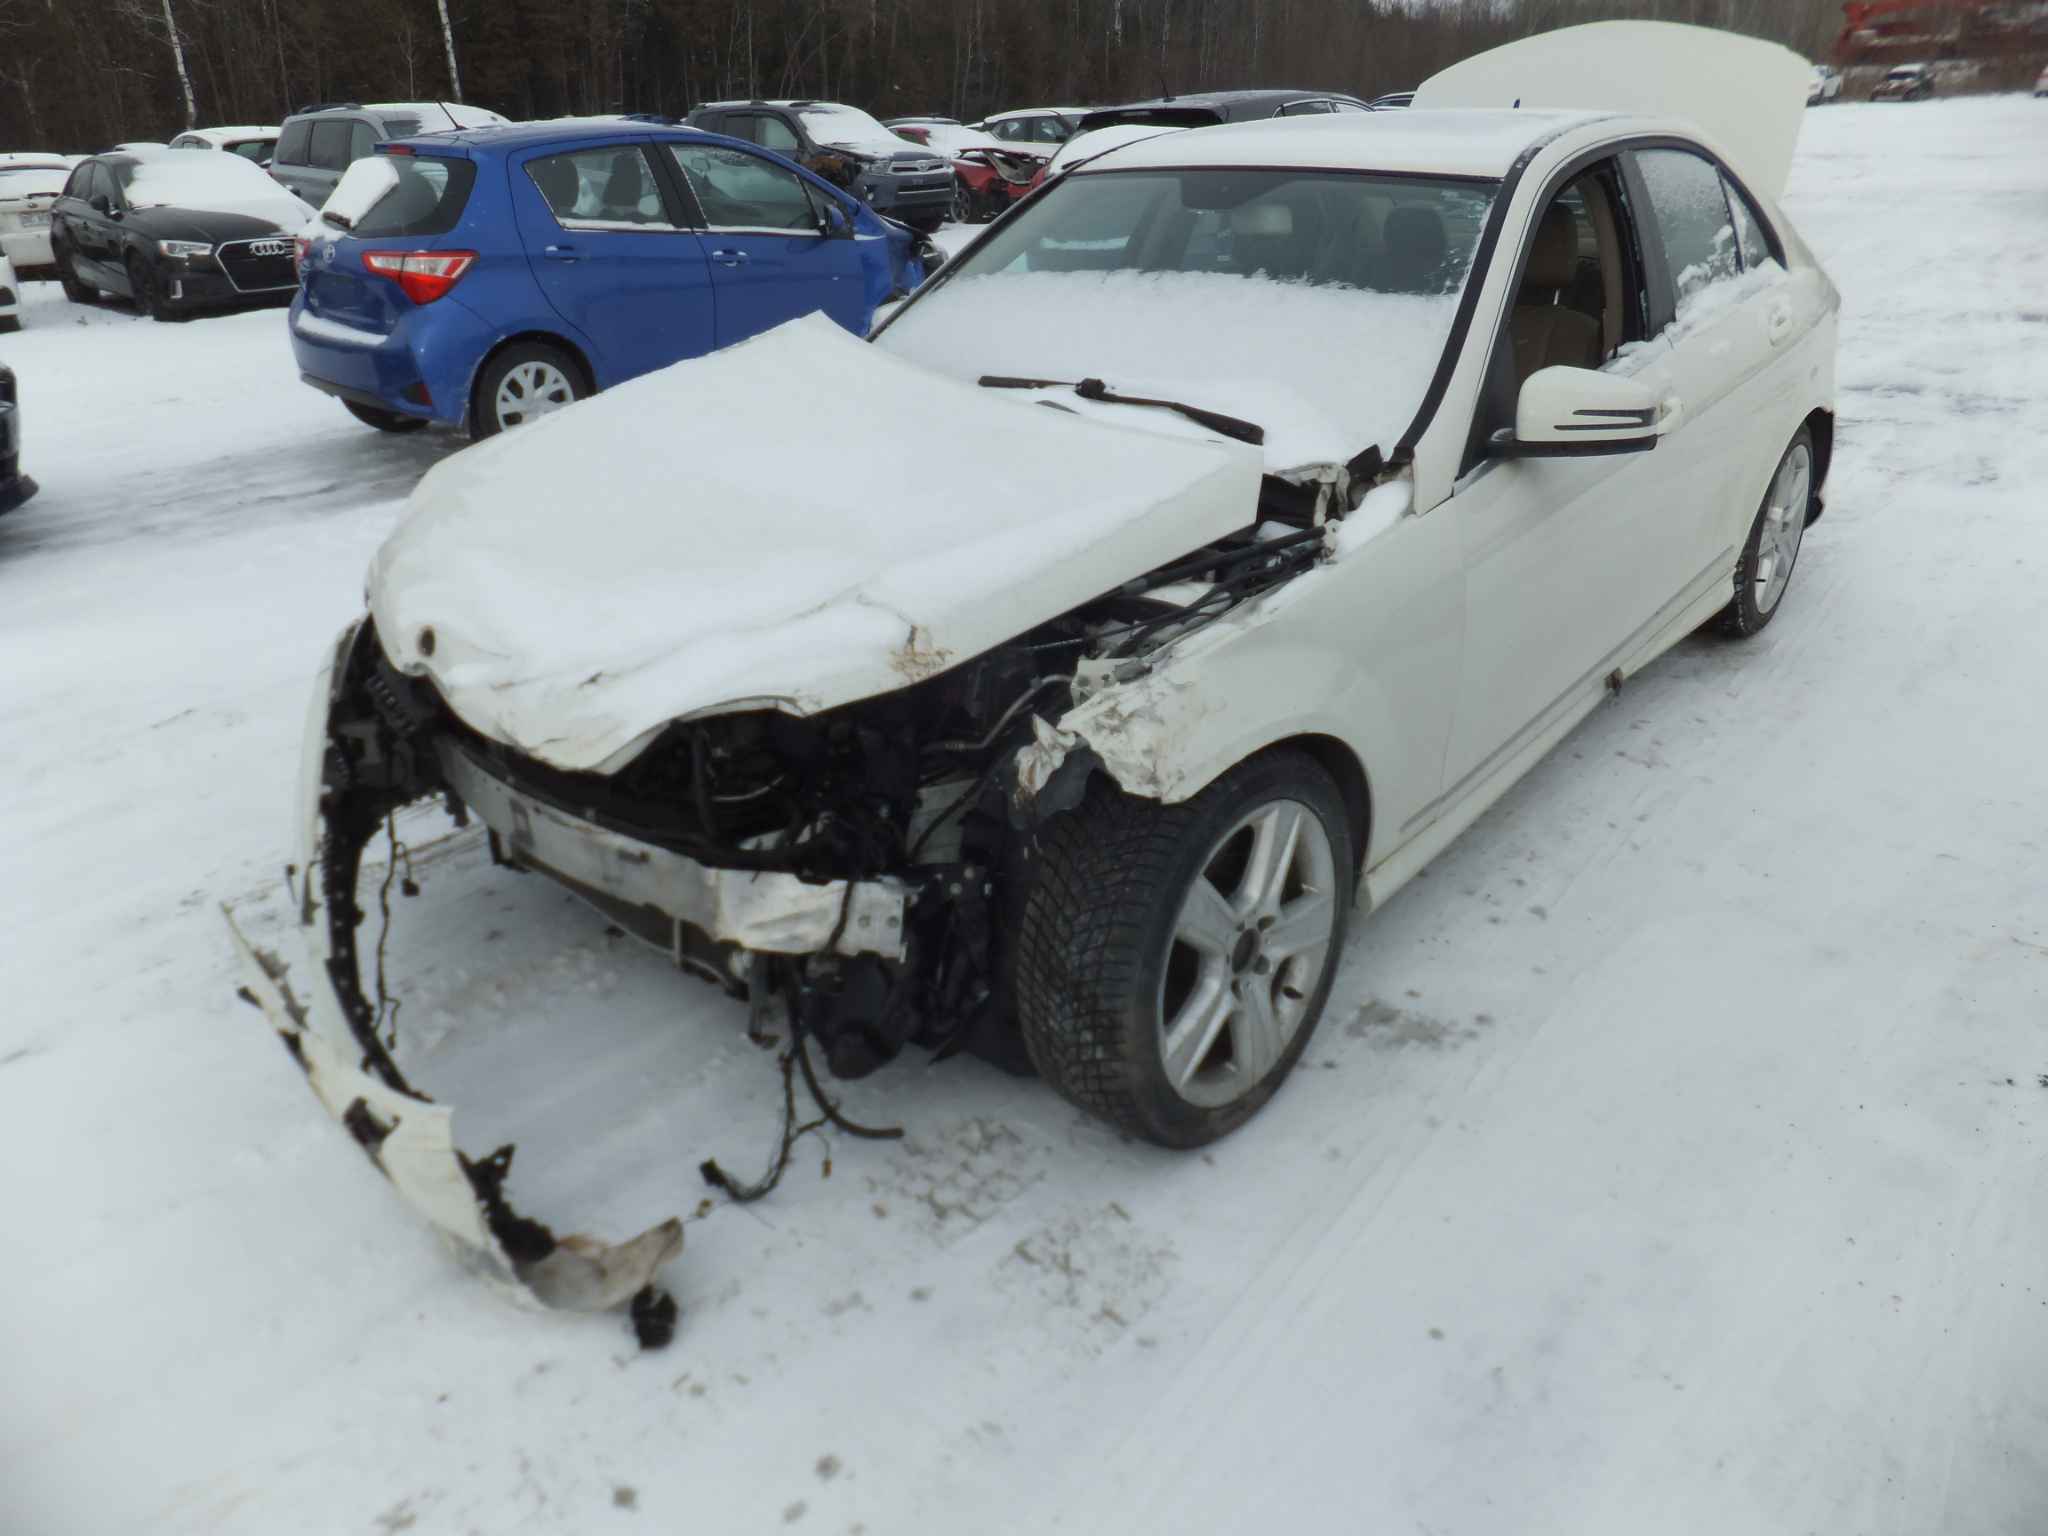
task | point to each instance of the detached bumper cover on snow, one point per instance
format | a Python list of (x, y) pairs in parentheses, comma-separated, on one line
[(404, 1133)]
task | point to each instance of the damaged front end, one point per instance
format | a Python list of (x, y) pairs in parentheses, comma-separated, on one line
[(852, 873)]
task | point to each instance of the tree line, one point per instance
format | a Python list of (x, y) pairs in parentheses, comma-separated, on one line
[(79, 75)]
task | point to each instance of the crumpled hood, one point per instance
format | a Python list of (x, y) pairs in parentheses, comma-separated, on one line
[(797, 522)]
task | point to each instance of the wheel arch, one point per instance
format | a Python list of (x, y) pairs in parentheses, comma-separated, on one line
[(1820, 422), (577, 354), (1341, 763)]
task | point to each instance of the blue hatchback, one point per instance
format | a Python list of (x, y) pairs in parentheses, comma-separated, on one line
[(485, 278)]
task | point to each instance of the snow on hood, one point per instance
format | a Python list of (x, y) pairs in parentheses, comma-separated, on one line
[(851, 128), (1748, 95), (1208, 339), (194, 183), (946, 139), (797, 522)]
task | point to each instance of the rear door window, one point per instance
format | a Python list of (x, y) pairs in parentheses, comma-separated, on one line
[(742, 191), (1700, 245), (361, 140), (330, 144), (291, 144), (427, 200), (611, 187), (1750, 238)]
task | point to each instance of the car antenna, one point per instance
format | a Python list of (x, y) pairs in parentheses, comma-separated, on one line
[(458, 127)]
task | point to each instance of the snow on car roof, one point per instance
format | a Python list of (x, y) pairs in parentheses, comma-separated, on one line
[(1446, 142), (245, 131), (1000, 117)]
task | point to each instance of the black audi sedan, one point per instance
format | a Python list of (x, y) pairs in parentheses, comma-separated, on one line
[(174, 231), (15, 487)]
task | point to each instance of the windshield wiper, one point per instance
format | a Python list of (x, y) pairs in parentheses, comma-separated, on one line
[(1094, 389)]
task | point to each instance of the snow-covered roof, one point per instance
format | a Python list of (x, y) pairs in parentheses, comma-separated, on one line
[(1444, 142), (231, 135), (1003, 117)]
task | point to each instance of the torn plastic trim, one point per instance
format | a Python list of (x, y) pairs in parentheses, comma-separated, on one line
[(765, 912), (408, 1136), (411, 1141)]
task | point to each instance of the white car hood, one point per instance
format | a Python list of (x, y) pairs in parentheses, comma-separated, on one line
[(797, 522), (1749, 96)]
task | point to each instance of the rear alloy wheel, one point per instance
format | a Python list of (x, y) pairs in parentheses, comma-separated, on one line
[(76, 290), (1765, 569), (523, 384), (1173, 960), (147, 289), (383, 421)]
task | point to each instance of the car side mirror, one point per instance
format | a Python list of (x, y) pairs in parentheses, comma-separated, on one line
[(99, 203), (1567, 413), (835, 223)]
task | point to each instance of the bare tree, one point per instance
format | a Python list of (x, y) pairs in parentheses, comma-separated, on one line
[(448, 41)]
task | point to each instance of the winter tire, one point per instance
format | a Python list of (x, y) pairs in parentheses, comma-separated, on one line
[(1173, 960), (1765, 569), (146, 291), (524, 383), (383, 421)]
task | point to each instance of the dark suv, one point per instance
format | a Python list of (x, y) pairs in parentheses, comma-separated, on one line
[(848, 148)]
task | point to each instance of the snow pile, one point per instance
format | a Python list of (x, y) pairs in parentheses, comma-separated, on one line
[(201, 183), (1326, 370)]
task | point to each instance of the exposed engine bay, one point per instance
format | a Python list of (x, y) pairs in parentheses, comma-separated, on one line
[(887, 831)]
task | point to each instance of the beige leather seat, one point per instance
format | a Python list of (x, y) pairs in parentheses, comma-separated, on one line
[(1546, 334)]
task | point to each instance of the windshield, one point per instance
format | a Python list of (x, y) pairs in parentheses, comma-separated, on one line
[(1905, 72), (1315, 303)]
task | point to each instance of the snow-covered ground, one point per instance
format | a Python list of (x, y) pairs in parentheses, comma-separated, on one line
[(1670, 1159)]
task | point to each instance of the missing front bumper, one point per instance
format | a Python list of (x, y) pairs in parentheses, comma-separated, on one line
[(329, 1029), (757, 911)]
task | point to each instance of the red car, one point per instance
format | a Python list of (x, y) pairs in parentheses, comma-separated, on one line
[(989, 173)]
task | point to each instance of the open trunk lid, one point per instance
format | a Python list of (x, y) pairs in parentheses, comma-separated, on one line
[(797, 522), (1747, 95)]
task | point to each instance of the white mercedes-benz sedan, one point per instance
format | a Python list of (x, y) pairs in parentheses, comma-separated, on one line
[(1282, 493)]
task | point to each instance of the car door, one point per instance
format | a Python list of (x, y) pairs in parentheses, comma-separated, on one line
[(773, 254), (612, 249), (95, 232), (1567, 559), (1729, 323)]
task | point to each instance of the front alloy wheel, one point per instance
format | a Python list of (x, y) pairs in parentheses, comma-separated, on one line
[(1173, 960)]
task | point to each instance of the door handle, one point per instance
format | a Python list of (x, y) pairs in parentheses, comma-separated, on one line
[(730, 258), (1778, 324), (559, 252)]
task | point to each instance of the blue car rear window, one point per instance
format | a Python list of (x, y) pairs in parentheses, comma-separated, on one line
[(428, 200)]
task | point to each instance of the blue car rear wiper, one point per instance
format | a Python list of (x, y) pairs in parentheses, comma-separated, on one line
[(1094, 389)]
